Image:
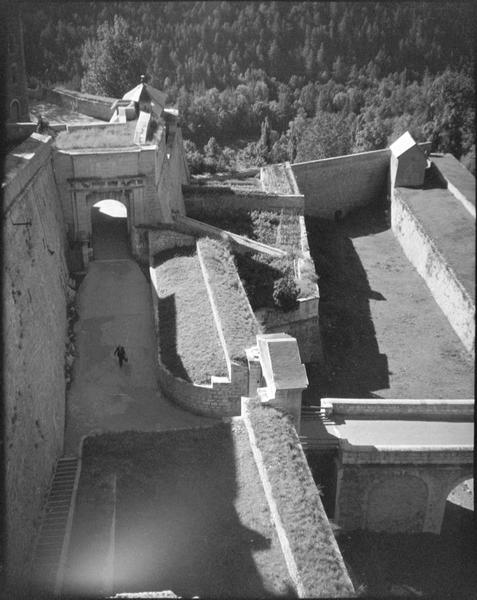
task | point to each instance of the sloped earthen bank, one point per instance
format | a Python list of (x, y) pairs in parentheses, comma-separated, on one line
[(311, 552)]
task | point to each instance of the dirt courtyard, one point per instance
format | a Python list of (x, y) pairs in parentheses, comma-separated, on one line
[(384, 336)]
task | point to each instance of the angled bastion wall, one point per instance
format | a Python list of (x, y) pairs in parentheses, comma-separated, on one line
[(343, 182)]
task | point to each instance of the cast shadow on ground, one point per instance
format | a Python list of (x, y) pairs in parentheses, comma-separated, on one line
[(177, 527), (356, 368), (167, 317)]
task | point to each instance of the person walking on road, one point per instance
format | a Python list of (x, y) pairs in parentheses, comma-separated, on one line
[(120, 352)]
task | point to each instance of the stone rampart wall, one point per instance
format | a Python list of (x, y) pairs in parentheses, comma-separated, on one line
[(34, 279), (448, 292), (208, 199), (342, 183), (93, 106)]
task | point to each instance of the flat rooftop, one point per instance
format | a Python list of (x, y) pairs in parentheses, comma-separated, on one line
[(451, 228), (399, 432), (383, 333)]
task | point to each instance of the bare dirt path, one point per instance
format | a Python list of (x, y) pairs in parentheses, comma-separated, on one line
[(115, 308)]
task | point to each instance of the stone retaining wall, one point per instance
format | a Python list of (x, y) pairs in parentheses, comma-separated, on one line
[(207, 199), (342, 183), (449, 293)]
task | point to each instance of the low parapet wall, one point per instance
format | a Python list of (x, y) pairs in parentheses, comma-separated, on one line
[(94, 106), (204, 198), (342, 183), (398, 408), (454, 301), (311, 553)]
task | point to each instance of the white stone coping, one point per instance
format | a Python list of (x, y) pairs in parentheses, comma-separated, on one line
[(463, 408)]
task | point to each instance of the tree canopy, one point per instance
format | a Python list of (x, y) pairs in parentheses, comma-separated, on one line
[(113, 62), (377, 68)]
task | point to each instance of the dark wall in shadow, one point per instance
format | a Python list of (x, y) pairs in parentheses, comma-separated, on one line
[(167, 316), (110, 236), (166, 308), (323, 470), (355, 367)]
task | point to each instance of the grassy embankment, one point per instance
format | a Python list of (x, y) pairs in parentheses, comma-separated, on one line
[(260, 272), (189, 344), (191, 514), (298, 503), (239, 325)]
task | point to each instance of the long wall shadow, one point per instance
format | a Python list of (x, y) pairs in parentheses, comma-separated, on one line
[(167, 317), (354, 365), (177, 527)]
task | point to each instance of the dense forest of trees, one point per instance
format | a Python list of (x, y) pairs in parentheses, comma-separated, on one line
[(264, 82)]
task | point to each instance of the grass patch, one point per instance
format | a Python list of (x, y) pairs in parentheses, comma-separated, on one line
[(303, 517), (112, 136), (189, 344), (239, 325), (191, 513)]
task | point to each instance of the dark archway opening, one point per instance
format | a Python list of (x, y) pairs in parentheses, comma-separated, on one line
[(15, 111), (109, 222)]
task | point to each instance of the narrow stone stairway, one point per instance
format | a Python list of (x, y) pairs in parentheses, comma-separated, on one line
[(53, 540)]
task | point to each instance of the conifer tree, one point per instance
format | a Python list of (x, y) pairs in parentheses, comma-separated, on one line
[(113, 62)]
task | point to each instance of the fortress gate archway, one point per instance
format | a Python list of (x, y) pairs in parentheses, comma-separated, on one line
[(86, 192)]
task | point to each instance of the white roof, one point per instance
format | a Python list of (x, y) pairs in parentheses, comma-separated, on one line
[(403, 144), (158, 98)]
